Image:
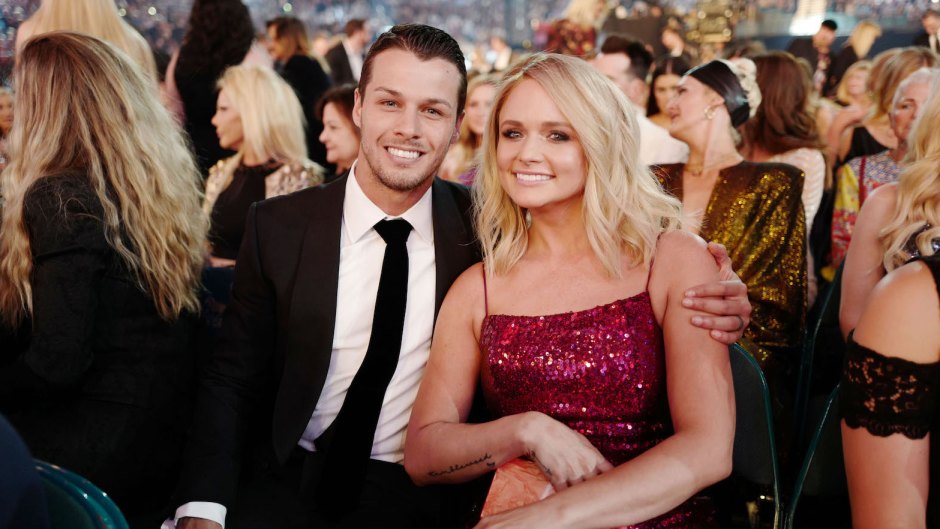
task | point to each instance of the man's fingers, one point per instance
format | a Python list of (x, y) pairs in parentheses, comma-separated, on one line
[(720, 290), (718, 307), (730, 324)]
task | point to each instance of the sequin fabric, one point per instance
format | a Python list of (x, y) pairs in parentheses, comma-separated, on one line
[(755, 210), (600, 371)]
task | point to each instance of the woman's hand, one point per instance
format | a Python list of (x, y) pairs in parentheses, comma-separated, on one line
[(220, 262), (565, 456)]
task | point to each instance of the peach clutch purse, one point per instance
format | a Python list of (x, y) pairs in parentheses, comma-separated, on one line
[(517, 483)]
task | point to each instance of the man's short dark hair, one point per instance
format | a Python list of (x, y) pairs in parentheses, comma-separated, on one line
[(424, 41), (354, 25), (830, 24), (640, 58), (930, 13)]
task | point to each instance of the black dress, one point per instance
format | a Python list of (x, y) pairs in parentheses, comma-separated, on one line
[(101, 385), (309, 81), (230, 209), (862, 144), (888, 395)]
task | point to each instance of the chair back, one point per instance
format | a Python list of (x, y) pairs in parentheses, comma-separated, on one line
[(755, 450), (821, 359), (822, 473), (75, 503)]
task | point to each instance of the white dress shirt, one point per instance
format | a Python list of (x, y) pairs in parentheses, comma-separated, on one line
[(656, 145), (360, 265), (355, 59)]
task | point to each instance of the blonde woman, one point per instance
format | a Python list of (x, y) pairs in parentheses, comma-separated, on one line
[(102, 244), (258, 116), (576, 32), (462, 155), (874, 134), (853, 94), (584, 269), (898, 221), (889, 387), (98, 18), (856, 48)]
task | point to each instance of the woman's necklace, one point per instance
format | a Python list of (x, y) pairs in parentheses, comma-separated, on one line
[(698, 170)]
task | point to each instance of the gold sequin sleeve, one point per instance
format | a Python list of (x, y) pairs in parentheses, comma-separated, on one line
[(756, 211)]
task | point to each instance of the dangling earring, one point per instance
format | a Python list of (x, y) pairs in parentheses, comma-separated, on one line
[(709, 112)]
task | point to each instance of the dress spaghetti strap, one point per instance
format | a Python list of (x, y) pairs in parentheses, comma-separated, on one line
[(933, 264), (486, 300)]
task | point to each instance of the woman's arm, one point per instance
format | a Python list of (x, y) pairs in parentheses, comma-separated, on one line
[(888, 476), (844, 119), (863, 261), (439, 448), (701, 403)]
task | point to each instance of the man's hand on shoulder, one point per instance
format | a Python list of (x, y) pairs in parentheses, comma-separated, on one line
[(726, 301), (196, 523)]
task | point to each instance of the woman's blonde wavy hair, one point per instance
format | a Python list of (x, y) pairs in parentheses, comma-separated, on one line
[(82, 107), (98, 18), (271, 115), (625, 208), (918, 193), (465, 148)]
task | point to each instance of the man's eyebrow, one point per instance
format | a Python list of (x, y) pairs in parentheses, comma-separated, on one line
[(431, 100)]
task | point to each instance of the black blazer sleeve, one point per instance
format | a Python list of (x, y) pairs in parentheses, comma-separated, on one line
[(233, 383), (70, 257)]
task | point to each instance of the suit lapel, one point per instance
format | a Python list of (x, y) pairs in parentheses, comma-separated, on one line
[(311, 320), (454, 244)]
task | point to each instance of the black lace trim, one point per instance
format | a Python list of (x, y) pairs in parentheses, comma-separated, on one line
[(888, 395)]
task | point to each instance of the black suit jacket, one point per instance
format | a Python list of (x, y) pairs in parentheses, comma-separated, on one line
[(922, 40), (309, 82), (339, 65), (277, 335)]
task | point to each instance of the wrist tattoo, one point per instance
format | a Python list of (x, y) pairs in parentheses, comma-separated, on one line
[(486, 458)]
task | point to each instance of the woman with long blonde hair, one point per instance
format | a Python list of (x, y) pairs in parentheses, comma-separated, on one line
[(901, 220), (462, 155), (258, 116), (98, 18), (101, 249), (889, 386), (856, 48), (583, 265)]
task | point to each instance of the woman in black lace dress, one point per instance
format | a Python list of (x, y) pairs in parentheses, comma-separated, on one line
[(891, 383), (890, 399), (101, 245)]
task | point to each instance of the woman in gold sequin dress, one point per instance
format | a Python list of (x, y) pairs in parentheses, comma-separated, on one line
[(754, 209)]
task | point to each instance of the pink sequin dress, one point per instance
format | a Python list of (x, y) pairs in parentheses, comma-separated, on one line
[(601, 371)]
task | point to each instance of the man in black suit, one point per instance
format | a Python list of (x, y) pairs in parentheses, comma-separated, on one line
[(928, 39), (345, 59), (308, 296), (817, 51)]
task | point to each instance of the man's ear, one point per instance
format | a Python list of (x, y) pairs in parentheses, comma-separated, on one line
[(357, 110), (456, 134)]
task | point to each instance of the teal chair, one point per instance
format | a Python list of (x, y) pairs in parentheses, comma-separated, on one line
[(75, 503), (821, 477), (821, 358), (755, 450)]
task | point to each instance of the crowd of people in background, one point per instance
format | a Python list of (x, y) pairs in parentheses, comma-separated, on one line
[(226, 245)]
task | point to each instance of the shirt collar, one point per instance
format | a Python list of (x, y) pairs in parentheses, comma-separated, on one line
[(360, 214)]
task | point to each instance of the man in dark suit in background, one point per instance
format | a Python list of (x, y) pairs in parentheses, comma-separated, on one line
[(311, 306), (931, 22), (817, 51), (345, 59)]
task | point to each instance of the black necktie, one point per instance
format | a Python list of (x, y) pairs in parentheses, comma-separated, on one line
[(350, 442)]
